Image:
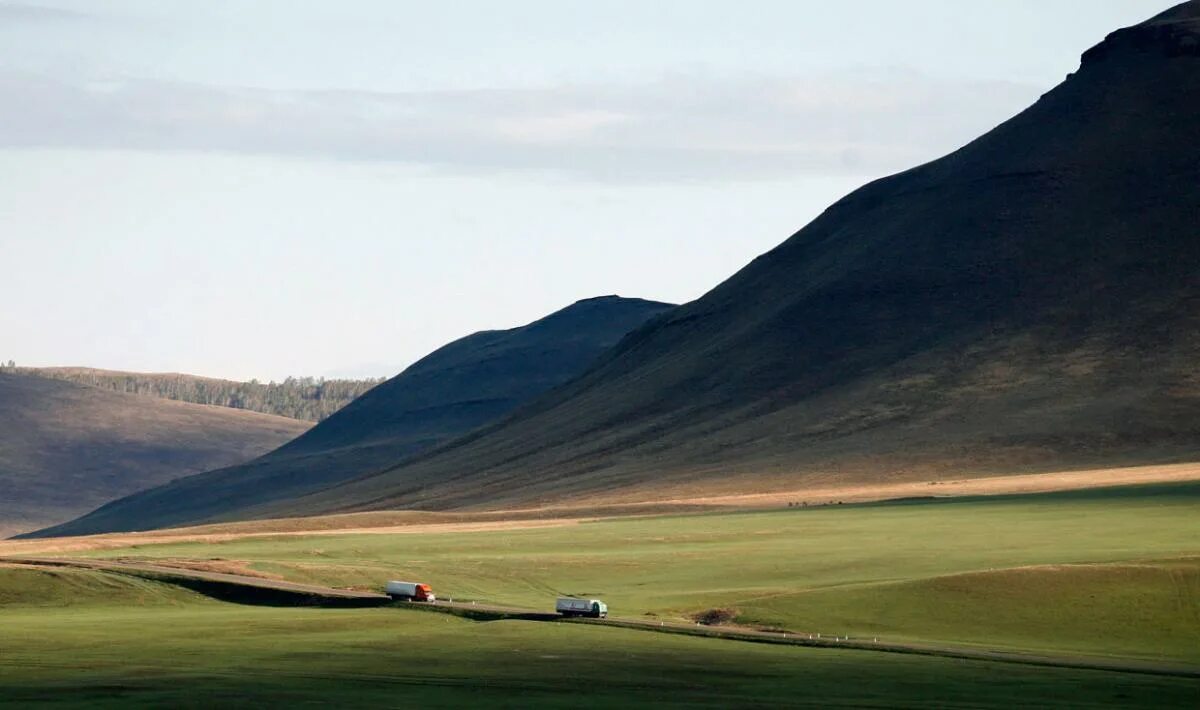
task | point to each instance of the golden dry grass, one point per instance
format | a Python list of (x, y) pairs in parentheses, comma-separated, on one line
[(982, 486), (418, 522)]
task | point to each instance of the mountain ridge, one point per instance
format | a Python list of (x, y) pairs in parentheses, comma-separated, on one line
[(1080, 309), (457, 387)]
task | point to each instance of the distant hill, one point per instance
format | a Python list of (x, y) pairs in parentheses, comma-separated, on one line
[(66, 448), (305, 398), (1030, 302), (453, 390)]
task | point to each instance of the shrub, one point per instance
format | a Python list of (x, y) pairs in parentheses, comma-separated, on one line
[(715, 617)]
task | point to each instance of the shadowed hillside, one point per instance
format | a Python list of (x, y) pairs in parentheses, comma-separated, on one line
[(461, 386), (1029, 302), (1026, 303), (66, 448)]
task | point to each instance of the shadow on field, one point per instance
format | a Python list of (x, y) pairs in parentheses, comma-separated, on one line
[(262, 596)]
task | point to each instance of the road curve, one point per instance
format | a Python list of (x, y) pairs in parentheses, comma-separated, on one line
[(475, 609)]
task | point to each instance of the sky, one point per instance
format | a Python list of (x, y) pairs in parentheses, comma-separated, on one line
[(264, 188)]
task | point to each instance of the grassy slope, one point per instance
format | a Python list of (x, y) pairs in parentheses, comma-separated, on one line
[(953, 571), (66, 448), (170, 649), (39, 588), (1143, 608)]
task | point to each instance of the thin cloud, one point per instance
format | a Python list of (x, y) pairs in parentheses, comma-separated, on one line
[(19, 12), (677, 128)]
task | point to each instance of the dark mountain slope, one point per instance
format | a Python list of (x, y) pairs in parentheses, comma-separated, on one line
[(1028, 302), (476, 379), (451, 391), (66, 448)]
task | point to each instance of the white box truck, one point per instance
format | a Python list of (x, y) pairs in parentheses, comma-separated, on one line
[(570, 606), (410, 591)]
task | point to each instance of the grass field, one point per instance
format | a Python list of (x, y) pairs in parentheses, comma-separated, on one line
[(1111, 572), (77, 638)]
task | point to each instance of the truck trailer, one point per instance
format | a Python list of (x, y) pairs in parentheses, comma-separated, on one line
[(570, 606), (410, 591)]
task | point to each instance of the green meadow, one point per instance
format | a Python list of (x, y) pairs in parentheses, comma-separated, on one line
[(1111, 574), (1108, 573), (74, 638)]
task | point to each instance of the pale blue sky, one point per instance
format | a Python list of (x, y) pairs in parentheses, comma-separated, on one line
[(272, 187)]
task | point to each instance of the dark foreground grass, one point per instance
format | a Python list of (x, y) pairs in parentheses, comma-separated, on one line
[(182, 650)]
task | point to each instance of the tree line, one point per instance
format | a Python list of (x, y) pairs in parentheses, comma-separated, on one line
[(306, 398)]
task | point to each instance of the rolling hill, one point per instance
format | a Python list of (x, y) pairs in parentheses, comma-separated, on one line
[(459, 387), (305, 398), (66, 448)]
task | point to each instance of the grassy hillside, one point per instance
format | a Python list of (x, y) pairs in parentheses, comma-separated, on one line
[(461, 386), (27, 588), (304, 398), (1109, 572), (1027, 303), (66, 448), (1151, 607)]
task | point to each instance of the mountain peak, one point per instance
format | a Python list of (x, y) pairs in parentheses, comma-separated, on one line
[(610, 303), (1174, 33), (1187, 12), (608, 300)]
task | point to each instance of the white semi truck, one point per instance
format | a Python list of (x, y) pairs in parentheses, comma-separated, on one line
[(570, 606), (410, 591)]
